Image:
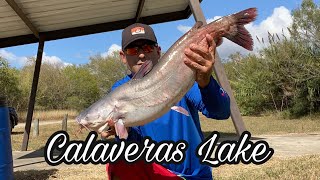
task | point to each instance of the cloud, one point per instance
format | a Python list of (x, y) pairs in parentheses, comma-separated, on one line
[(185, 29), (111, 50), (19, 62), (54, 60), (213, 19), (13, 59), (278, 22)]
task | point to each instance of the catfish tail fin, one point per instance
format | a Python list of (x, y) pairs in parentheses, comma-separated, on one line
[(246, 16), (238, 33)]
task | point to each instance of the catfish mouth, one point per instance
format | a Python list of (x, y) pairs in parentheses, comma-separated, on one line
[(78, 119), (93, 125), (89, 119), (95, 119), (82, 123)]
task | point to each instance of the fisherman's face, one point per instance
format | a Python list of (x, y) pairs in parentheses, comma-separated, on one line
[(137, 52)]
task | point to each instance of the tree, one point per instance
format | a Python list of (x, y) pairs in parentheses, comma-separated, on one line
[(305, 32), (82, 87), (286, 74), (52, 85), (52, 88), (25, 82), (9, 83), (107, 70), (305, 29), (251, 83)]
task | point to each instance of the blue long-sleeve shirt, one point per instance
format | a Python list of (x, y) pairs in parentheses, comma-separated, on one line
[(212, 101)]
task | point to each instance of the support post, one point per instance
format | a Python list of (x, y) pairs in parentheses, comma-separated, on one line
[(221, 74), (36, 127), (139, 10), (65, 122), (33, 94)]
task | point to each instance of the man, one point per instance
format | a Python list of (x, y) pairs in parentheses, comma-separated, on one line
[(139, 44)]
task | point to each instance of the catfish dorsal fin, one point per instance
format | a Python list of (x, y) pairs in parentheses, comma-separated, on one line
[(144, 70)]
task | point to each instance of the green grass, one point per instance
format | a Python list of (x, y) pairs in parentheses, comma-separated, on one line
[(48, 115), (45, 131), (303, 167), (264, 125)]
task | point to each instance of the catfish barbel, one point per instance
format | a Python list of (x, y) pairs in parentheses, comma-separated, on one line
[(150, 94)]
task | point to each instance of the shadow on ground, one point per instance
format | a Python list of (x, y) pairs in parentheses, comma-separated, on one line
[(35, 174), (36, 154), (16, 132)]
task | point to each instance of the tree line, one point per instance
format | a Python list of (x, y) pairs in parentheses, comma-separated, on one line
[(283, 77), (69, 87)]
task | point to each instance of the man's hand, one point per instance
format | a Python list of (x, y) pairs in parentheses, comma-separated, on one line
[(111, 132), (200, 57)]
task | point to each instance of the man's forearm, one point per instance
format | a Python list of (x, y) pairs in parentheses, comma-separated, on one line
[(215, 100)]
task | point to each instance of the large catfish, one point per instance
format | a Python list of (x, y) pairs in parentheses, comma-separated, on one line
[(149, 95)]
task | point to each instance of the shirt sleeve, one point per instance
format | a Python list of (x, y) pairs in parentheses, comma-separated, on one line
[(134, 135), (115, 85), (212, 100)]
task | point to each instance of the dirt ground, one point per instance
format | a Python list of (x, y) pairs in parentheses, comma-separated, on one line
[(288, 145)]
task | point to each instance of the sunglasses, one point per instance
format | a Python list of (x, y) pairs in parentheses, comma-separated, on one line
[(147, 48)]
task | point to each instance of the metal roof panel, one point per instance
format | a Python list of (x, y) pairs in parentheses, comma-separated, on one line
[(57, 19)]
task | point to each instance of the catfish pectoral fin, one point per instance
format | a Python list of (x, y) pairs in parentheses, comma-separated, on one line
[(121, 130)]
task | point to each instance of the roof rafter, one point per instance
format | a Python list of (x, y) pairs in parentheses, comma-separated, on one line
[(139, 10), (91, 29), (23, 17)]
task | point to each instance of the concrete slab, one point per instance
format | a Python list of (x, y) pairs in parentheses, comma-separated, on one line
[(294, 144), (29, 160)]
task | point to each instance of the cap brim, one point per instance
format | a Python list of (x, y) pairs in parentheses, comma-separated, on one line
[(138, 38)]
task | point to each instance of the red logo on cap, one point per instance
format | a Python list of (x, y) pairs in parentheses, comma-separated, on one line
[(137, 30)]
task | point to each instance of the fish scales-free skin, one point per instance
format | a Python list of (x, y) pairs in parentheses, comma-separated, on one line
[(143, 100)]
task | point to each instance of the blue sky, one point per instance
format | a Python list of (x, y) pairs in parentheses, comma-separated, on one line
[(273, 16)]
